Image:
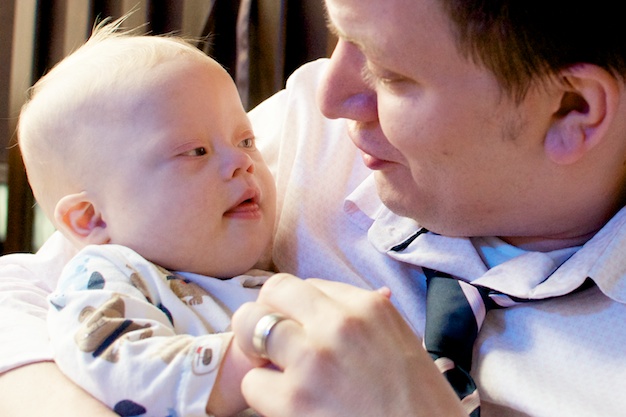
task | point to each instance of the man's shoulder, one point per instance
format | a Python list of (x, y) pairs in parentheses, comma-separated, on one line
[(47, 261)]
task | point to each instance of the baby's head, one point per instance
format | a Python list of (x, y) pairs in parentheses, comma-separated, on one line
[(142, 141)]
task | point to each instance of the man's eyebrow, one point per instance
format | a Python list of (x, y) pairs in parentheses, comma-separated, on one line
[(330, 26), (335, 31)]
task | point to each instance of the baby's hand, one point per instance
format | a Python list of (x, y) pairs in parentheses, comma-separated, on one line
[(385, 291)]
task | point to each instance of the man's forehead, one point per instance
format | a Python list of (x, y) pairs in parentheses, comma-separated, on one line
[(350, 21), (390, 28)]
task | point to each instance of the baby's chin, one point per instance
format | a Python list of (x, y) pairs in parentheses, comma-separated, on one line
[(265, 261)]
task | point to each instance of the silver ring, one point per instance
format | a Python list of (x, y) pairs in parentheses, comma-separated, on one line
[(262, 332)]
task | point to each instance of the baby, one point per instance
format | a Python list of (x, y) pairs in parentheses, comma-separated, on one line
[(139, 151)]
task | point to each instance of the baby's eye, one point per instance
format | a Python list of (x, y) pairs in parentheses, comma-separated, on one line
[(247, 143), (196, 152)]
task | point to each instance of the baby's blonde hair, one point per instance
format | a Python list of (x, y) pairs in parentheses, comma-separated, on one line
[(65, 117)]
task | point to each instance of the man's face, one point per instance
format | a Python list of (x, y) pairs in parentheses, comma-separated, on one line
[(449, 147)]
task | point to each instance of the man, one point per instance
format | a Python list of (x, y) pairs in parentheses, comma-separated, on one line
[(501, 119), (463, 144)]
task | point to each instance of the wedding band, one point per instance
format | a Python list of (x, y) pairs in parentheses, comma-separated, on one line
[(262, 331)]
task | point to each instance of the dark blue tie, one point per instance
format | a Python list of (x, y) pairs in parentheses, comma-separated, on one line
[(455, 311)]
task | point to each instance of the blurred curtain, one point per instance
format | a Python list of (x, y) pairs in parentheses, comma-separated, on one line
[(259, 42)]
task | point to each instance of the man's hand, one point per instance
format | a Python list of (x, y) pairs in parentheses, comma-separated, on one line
[(342, 351)]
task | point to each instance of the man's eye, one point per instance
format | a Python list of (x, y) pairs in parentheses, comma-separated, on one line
[(196, 152), (247, 143), (377, 78)]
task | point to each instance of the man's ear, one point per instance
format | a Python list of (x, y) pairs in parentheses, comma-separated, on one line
[(589, 97), (80, 219)]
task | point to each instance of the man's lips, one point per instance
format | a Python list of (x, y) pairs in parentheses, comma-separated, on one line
[(371, 159), (373, 162)]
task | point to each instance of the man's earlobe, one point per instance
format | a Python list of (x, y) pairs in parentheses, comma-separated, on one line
[(588, 104), (80, 220)]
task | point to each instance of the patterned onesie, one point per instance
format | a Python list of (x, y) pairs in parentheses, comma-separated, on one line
[(143, 340)]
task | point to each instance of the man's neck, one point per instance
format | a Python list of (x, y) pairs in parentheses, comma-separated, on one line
[(547, 244)]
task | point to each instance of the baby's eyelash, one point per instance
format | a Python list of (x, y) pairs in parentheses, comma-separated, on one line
[(247, 143), (199, 151)]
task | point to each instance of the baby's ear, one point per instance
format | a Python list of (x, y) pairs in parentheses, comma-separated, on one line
[(79, 218)]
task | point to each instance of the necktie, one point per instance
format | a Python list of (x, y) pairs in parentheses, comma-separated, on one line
[(455, 310)]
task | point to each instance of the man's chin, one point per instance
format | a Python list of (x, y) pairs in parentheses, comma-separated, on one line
[(393, 194), (433, 222)]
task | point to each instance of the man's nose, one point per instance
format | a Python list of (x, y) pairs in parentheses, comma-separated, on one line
[(342, 92)]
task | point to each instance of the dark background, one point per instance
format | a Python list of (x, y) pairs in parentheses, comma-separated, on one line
[(260, 42)]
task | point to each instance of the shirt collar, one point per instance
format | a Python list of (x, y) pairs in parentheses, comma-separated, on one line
[(533, 275)]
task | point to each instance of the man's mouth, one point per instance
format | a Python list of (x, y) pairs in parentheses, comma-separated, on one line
[(370, 159)]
